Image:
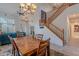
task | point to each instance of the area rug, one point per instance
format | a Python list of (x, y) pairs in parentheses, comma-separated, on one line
[(5, 50)]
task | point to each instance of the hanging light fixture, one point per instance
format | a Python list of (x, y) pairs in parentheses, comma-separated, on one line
[(27, 8)]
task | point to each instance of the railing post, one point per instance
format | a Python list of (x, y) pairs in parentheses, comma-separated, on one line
[(63, 37)]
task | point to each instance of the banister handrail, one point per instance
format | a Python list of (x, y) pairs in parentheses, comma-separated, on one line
[(58, 11), (55, 14), (57, 28), (57, 31)]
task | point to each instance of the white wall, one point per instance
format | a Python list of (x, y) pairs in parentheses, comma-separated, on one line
[(47, 33), (61, 20)]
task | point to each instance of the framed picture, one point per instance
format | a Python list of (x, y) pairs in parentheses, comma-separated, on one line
[(76, 28), (42, 21)]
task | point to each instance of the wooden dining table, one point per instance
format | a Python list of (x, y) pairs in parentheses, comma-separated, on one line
[(27, 45)]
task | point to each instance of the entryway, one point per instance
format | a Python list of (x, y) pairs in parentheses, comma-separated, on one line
[(74, 30)]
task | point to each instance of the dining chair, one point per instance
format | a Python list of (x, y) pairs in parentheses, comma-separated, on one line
[(43, 49), (14, 47), (20, 34), (39, 36)]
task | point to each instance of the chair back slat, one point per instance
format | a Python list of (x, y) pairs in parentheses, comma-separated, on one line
[(43, 47), (14, 46), (39, 36)]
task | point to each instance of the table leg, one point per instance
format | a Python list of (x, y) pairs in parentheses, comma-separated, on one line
[(48, 50)]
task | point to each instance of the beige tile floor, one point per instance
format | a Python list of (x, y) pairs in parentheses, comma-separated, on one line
[(54, 53)]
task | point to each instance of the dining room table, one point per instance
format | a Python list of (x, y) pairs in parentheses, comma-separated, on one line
[(27, 45)]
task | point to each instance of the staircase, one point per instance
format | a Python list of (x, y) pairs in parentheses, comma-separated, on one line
[(58, 11), (56, 30)]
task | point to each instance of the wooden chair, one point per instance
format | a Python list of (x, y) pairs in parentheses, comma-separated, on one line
[(20, 34), (44, 48), (14, 47), (39, 36)]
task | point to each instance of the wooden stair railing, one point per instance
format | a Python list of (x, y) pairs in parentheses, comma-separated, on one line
[(59, 11), (57, 31)]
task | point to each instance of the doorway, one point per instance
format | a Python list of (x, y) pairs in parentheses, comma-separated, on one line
[(74, 30)]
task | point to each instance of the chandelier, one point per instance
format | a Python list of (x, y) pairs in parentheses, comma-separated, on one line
[(27, 8)]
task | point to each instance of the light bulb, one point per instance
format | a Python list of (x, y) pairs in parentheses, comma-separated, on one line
[(22, 4), (34, 6)]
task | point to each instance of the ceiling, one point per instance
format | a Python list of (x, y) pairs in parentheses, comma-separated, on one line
[(9, 8), (12, 8)]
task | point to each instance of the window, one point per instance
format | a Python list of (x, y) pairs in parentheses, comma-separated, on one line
[(7, 25)]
